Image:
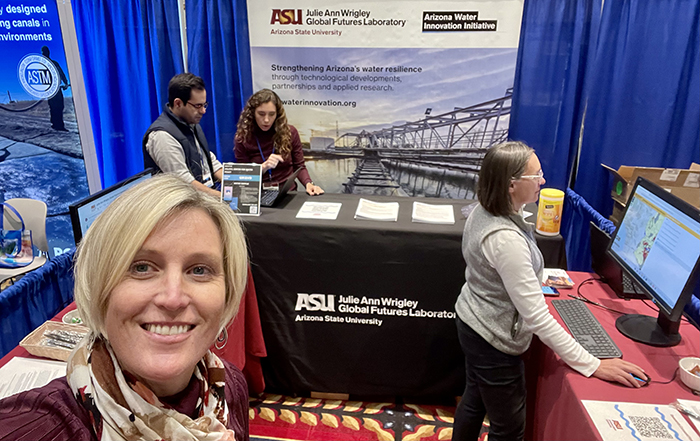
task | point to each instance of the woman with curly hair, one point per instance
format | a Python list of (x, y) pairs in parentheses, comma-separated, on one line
[(263, 136)]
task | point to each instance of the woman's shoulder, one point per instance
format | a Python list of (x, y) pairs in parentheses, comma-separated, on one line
[(235, 380), (237, 399), (49, 412)]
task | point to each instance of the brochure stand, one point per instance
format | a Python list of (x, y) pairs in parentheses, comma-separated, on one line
[(241, 188)]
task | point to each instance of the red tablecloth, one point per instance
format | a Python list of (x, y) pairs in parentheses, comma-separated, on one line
[(244, 348), (555, 390)]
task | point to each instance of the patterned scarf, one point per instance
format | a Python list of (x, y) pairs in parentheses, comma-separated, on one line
[(123, 408)]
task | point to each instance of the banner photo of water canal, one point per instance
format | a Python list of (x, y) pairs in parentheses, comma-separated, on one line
[(437, 156)]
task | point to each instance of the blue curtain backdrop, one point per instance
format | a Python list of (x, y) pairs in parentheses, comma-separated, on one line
[(129, 50), (643, 106), (629, 75), (555, 46), (219, 51)]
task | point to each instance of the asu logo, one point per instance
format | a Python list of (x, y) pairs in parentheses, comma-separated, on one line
[(286, 16), (315, 302)]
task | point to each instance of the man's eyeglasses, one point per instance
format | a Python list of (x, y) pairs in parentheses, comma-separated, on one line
[(199, 106), (538, 176)]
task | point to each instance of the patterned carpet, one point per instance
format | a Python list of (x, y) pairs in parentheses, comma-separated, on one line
[(276, 417)]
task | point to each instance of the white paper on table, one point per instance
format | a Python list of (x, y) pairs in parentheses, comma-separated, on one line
[(433, 214), (383, 211), (20, 374), (695, 406), (640, 422), (319, 210)]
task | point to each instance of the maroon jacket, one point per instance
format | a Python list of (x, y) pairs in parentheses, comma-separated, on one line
[(247, 152), (52, 412)]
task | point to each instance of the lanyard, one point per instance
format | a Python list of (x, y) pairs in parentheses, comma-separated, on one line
[(269, 172)]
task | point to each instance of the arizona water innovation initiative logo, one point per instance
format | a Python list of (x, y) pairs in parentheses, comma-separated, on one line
[(38, 76)]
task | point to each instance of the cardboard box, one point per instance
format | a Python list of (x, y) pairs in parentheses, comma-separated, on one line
[(684, 184)]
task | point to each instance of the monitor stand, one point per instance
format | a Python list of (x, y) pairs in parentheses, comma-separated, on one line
[(652, 331)]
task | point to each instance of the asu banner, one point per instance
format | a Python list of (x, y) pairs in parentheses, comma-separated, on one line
[(344, 67)]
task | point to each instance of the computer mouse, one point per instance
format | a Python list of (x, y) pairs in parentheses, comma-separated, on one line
[(646, 382)]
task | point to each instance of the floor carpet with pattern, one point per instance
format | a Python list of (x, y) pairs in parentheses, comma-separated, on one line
[(277, 417)]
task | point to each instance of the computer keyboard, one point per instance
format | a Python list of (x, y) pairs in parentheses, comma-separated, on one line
[(268, 198), (629, 285), (586, 329)]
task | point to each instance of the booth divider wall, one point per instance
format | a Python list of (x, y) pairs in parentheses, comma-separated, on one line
[(35, 298)]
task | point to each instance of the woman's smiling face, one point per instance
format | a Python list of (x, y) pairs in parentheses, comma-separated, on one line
[(166, 312)]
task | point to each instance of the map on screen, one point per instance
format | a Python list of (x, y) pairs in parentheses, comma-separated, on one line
[(658, 243)]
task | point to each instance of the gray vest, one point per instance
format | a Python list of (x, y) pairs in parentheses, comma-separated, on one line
[(484, 304)]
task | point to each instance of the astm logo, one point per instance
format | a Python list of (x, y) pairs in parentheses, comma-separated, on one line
[(38, 76)]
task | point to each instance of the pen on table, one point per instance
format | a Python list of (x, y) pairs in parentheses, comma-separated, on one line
[(686, 410)]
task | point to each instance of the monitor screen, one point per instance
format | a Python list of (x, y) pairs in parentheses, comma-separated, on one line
[(658, 244), (84, 212)]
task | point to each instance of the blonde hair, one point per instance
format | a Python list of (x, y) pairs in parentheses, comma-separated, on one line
[(282, 139), (110, 244)]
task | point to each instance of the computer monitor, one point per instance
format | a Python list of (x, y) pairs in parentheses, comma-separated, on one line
[(83, 213), (658, 245), (608, 270)]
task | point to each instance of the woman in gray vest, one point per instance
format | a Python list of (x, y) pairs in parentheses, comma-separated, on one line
[(501, 304)]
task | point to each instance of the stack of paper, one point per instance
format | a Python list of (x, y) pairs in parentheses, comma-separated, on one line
[(20, 374), (382, 211), (319, 210), (433, 214)]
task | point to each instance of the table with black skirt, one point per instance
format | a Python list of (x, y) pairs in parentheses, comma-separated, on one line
[(361, 307)]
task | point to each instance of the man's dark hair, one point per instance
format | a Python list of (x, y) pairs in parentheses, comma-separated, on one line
[(181, 85)]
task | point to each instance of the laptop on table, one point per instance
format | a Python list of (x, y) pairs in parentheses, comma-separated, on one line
[(270, 198)]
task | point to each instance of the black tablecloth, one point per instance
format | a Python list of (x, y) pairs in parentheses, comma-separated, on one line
[(314, 277)]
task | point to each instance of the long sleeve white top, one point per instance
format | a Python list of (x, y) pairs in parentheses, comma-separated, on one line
[(510, 256)]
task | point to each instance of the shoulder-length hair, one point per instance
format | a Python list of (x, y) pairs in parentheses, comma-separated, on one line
[(107, 250), (502, 163), (282, 138)]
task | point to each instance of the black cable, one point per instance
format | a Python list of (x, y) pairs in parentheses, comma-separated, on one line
[(10, 109), (675, 374), (684, 316), (584, 299)]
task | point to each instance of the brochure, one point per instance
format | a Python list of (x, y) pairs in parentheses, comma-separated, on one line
[(319, 210), (381, 211), (557, 278), (240, 188), (433, 214), (636, 421), (20, 374)]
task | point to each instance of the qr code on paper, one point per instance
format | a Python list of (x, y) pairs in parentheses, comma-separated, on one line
[(650, 427), (253, 210)]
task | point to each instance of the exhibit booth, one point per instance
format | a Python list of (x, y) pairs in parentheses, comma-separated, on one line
[(395, 102)]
